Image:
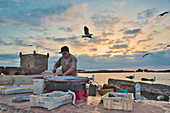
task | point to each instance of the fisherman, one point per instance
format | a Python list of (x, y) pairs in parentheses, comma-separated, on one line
[(68, 63)]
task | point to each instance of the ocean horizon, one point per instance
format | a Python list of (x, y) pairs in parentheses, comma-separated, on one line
[(133, 68)]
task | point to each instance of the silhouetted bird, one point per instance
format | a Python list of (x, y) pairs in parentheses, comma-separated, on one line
[(147, 54), (166, 47), (131, 77), (86, 32), (146, 79), (162, 14), (30, 45), (153, 80)]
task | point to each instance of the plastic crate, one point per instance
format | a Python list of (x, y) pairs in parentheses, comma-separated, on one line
[(50, 100), (65, 86), (80, 95), (118, 101)]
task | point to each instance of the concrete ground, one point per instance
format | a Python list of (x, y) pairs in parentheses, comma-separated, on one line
[(88, 104)]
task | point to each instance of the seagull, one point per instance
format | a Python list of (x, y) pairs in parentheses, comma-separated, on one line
[(166, 47), (131, 77), (153, 80), (86, 32), (30, 45), (162, 14), (147, 54), (146, 79)]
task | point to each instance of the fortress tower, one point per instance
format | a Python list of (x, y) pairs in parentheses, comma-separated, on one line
[(35, 63)]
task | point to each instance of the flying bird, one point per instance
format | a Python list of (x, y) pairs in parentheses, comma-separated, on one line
[(131, 77), (147, 54), (86, 32), (162, 14), (30, 45), (166, 47)]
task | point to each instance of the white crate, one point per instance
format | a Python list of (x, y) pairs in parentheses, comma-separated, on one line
[(16, 89), (50, 100), (120, 101)]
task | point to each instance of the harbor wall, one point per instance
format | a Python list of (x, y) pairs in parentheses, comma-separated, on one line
[(17, 79)]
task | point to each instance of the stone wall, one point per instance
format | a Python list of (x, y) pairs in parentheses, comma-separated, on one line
[(150, 91), (17, 79), (14, 71)]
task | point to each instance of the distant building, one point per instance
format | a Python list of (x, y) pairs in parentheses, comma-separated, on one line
[(29, 64), (35, 63)]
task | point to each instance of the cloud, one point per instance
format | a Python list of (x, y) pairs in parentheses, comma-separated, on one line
[(112, 51), (119, 46), (35, 16), (119, 41), (20, 42), (105, 20), (145, 40), (5, 21), (110, 42), (5, 43), (134, 31), (9, 56), (40, 30), (93, 49), (105, 62), (120, 4), (9, 59), (59, 39), (2, 9), (129, 37), (149, 13), (66, 29), (104, 34), (143, 18), (47, 16), (167, 28), (17, 1), (96, 40)]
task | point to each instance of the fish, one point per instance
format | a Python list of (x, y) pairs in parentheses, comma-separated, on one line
[(20, 99)]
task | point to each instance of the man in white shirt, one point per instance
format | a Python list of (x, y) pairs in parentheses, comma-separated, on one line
[(68, 63)]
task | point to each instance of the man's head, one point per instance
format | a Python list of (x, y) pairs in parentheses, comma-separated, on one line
[(65, 51)]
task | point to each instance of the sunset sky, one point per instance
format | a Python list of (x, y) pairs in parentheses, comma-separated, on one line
[(123, 31)]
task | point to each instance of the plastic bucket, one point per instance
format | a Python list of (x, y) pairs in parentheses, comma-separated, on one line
[(38, 86)]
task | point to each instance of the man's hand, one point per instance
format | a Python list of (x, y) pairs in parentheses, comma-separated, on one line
[(54, 70)]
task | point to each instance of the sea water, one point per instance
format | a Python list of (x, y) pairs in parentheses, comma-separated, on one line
[(101, 78)]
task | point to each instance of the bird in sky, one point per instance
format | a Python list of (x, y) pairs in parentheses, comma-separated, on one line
[(131, 77), (162, 14), (147, 54), (166, 47), (86, 32), (30, 45)]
